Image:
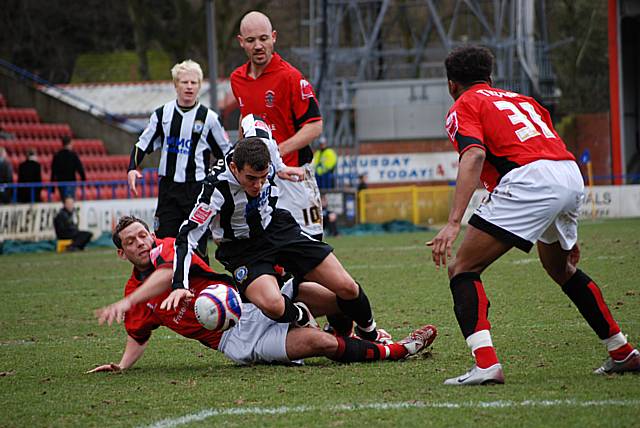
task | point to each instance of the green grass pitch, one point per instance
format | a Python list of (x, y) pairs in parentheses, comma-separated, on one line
[(49, 338)]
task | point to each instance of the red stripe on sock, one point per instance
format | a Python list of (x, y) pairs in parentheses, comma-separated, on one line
[(485, 357), (604, 309), (396, 352), (483, 306), (622, 352)]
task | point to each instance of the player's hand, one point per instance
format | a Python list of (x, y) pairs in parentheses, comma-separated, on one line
[(174, 298), (292, 173), (442, 244), (114, 312), (111, 367), (574, 255), (132, 176)]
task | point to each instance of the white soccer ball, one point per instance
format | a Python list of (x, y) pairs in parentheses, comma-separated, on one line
[(218, 307)]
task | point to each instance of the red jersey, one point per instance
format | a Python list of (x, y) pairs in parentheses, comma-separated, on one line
[(512, 129), (145, 317), (282, 97)]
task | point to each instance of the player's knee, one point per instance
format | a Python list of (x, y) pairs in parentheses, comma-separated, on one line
[(272, 306), (560, 273), (324, 344), (347, 288)]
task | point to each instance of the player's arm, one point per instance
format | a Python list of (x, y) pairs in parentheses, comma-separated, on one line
[(145, 144), (305, 136), (133, 351), (157, 283), (469, 170), (217, 137)]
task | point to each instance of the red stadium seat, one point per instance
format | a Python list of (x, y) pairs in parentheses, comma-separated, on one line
[(19, 115)]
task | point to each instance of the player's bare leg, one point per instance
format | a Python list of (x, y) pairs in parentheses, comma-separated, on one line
[(477, 251), (307, 342), (587, 297)]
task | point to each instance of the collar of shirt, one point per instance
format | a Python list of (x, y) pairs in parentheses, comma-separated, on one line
[(275, 64)]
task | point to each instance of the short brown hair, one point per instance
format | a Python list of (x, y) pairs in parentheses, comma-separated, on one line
[(251, 151), (123, 223)]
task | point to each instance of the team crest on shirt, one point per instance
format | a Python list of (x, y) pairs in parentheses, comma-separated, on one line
[(197, 126), (269, 98), (240, 274), (452, 125), (306, 91)]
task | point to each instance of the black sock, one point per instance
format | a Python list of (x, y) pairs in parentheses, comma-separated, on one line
[(586, 295), (359, 309), (342, 325), (470, 303), (352, 350), (291, 312)]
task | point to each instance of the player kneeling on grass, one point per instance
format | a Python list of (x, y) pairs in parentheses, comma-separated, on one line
[(255, 339), (507, 140)]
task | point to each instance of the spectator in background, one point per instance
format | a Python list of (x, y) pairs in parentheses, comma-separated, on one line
[(362, 182), (64, 167), (29, 171), (66, 228), (325, 160), (329, 218), (6, 176)]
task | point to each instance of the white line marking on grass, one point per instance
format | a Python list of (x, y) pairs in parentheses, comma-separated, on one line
[(283, 410)]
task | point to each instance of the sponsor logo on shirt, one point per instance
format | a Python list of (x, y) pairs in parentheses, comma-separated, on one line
[(201, 214), (269, 98), (178, 145), (305, 89)]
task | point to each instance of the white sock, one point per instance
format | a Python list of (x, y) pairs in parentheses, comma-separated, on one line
[(479, 339), (614, 342)]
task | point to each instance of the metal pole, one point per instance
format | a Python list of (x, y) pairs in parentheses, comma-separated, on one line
[(212, 46)]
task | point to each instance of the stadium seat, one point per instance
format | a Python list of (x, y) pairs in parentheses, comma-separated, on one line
[(38, 130), (3, 102), (19, 115)]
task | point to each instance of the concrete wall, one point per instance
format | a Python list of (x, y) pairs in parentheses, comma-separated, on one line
[(20, 93)]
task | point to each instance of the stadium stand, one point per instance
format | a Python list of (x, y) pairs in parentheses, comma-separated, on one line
[(106, 174)]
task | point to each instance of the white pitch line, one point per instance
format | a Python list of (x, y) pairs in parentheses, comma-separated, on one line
[(283, 410)]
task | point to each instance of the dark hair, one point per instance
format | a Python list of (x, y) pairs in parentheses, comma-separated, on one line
[(252, 151), (469, 64), (66, 141), (123, 223)]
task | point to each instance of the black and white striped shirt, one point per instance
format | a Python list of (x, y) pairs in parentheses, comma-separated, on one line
[(225, 208), (187, 139)]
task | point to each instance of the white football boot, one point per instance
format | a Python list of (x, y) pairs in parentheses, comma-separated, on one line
[(419, 339), (478, 376), (631, 364)]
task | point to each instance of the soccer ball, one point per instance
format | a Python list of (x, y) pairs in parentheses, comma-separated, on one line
[(218, 307)]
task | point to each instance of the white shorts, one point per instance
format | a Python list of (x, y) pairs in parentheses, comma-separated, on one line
[(302, 200), (538, 201), (257, 338)]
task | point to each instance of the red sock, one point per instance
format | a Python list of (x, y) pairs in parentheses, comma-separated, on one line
[(396, 352), (622, 352), (485, 357)]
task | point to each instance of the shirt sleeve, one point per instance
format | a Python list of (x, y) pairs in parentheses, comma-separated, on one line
[(303, 101), (254, 126), (464, 127), (151, 133), (217, 137), (140, 322), (192, 230)]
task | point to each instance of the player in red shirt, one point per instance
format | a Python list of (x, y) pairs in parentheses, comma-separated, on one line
[(269, 87), (507, 140), (254, 339)]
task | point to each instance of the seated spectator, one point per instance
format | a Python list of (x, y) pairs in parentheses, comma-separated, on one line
[(64, 167), (6, 176), (325, 160), (329, 218), (67, 229), (29, 171)]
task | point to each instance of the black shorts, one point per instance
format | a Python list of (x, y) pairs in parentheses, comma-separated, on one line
[(283, 243), (175, 202)]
